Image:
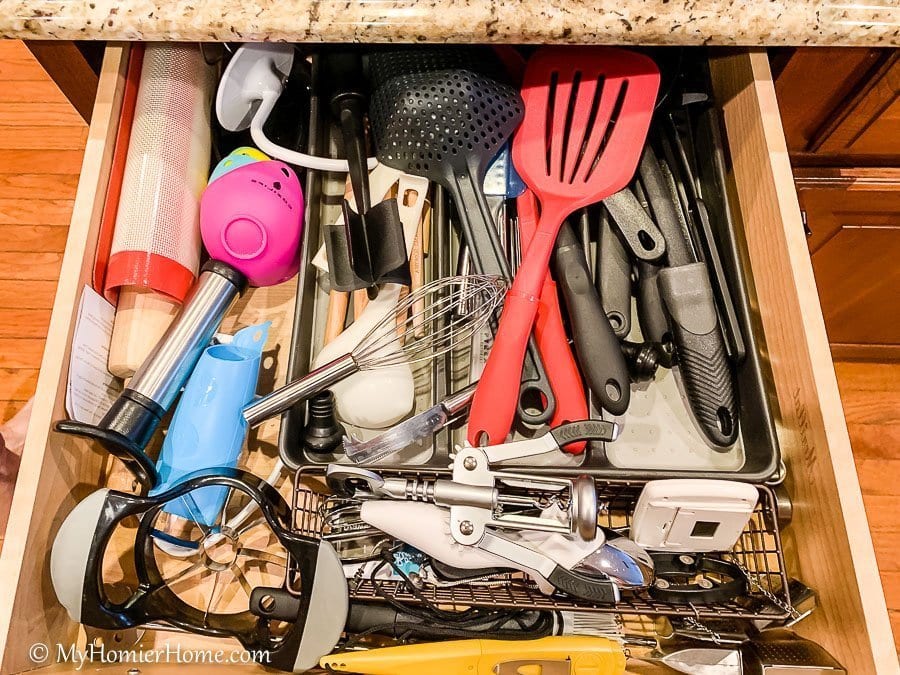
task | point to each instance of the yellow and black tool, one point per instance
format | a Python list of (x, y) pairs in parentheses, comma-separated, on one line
[(558, 655)]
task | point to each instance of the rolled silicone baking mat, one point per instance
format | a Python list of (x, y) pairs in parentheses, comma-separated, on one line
[(155, 251), (117, 168)]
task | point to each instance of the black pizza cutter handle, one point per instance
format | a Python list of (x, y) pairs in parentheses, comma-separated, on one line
[(596, 345)]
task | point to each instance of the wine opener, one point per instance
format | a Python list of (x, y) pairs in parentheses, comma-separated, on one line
[(480, 496)]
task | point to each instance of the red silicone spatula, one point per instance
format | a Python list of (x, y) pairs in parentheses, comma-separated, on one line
[(587, 111), (562, 371)]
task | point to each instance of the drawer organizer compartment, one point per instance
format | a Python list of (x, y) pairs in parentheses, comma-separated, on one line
[(64, 470), (659, 437)]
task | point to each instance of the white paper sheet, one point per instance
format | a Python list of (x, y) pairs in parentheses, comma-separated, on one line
[(91, 389)]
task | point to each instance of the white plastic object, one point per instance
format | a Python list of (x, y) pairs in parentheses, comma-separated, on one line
[(248, 91), (379, 398), (376, 398), (427, 528), (692, 515), (71, 550)]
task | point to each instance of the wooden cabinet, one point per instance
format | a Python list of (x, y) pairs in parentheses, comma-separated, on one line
[(841, 114), (840, 107), (854, 220)]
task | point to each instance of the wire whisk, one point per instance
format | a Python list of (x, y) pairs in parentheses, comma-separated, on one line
[(398, 338)]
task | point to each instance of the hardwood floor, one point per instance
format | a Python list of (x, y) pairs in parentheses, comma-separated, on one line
[(870, 393), (42, 139)]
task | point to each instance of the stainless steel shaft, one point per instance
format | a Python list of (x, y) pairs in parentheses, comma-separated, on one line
[(164, 372), (299, 390)]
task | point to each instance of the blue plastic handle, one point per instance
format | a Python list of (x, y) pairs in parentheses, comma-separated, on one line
[(208, 429)]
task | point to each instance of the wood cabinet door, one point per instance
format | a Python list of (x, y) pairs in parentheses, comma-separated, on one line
[(854, 219), (841, 106)]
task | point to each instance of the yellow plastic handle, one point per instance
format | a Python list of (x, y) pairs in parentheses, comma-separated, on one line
[(586, 656)]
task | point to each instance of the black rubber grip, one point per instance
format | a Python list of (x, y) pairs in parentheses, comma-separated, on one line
[(596, 346), (223, 269), (707, 379), (585, 430), (366, 616), (613, 278), (701, 353), (584, 587), (274, 603), (651, 314)]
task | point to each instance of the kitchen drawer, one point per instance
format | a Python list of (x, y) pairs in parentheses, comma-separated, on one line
[(828, 545)]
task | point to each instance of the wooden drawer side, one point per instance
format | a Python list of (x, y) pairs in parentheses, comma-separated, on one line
[(829, 539)]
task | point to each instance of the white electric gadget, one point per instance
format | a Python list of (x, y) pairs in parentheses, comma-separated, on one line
[(692, 515)]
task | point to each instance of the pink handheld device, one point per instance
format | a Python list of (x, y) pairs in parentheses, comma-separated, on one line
[(252, 219)]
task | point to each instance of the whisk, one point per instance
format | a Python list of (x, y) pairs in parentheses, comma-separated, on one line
[(394, 340)]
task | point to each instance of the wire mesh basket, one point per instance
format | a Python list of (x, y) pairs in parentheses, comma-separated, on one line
[(758, 552)]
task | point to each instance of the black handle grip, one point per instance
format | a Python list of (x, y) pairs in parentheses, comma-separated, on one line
[(642, 236), (651, 313), (613, 278), (584, 587), (354, 136), (585, 430), (596, 345), (701, 352), (366, 616)]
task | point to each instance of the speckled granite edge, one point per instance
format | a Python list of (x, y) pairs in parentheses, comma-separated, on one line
[(719, 22)]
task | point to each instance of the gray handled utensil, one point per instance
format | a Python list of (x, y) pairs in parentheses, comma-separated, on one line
[(613, 277), (685, 290), (450, 138), (641, 235), (596, 345), (651, 314), (704, 171)]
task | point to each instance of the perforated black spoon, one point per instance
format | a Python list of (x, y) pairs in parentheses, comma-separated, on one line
[(444, 113)]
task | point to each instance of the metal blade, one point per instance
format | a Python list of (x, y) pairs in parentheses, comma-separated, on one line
[(397, 437)]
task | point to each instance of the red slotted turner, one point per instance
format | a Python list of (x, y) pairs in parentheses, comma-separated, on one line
[(587, 111)]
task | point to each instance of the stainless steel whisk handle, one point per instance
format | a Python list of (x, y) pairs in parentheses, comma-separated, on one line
[(292, 393)]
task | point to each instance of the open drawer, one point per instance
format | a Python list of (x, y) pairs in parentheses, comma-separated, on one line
[(828, 544)]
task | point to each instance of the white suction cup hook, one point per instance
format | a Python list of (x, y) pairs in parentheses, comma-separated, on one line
[(250, 86)]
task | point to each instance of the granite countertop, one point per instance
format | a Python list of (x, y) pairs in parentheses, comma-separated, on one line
[(720, 22)]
